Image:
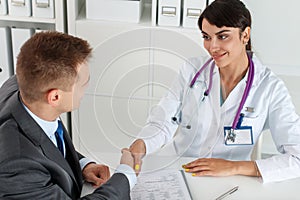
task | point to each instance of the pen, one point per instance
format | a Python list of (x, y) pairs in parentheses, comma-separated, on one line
[(228, 193)]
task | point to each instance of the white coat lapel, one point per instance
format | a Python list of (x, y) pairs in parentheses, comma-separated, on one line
[(235, 97), (214, 95)]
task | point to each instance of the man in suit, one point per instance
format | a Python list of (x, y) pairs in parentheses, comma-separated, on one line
[(35, 162)]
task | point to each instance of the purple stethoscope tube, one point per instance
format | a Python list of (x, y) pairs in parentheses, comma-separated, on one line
[(244, 97)]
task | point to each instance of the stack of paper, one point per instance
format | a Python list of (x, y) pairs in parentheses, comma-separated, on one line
[(163, 184)]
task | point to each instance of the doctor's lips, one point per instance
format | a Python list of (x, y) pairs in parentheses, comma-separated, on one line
[(217, 56)]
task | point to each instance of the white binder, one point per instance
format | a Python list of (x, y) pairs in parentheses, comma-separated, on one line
[(19, 8), (3, 7), (43, 8), (114, 10), (19, 36), (40, 30), (5, 55), (192, 9), (169, 12)]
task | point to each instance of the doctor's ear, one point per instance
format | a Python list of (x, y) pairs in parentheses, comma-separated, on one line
[(246, 35), (53, 97)]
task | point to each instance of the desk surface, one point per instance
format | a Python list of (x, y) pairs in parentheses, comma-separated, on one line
[(208, 188)]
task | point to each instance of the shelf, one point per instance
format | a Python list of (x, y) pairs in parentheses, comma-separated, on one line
[(27, 19), (28, 22), (58, 23)]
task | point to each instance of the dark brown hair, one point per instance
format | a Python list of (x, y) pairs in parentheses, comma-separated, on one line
[(230, 13), (49, 60)]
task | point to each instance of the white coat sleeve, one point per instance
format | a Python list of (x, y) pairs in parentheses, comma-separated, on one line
[(160, 129), (284, 125)]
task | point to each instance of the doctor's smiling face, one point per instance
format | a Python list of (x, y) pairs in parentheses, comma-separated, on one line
[(225, 25), (226, 45)]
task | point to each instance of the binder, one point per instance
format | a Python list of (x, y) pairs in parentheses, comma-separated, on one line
[(43, 8), (5, 55), (192, 9), (115, 10), (19, 36), (169, 12), (3, 7), (19, 8), (38, 30)]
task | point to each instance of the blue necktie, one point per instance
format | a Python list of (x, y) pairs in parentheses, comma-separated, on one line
[(59, 134)]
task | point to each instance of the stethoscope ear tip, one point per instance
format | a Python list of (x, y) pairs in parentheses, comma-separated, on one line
[(174, 119)]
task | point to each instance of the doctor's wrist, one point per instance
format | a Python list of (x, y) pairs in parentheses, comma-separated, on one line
[(257, 173)]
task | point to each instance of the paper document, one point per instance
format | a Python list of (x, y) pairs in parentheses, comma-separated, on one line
[(159, 185)]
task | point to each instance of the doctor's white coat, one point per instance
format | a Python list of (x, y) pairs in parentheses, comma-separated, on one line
[(268, 106)]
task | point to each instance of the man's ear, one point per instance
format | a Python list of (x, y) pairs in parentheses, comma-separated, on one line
[(53, 97)]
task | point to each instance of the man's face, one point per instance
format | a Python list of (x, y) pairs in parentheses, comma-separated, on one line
[(81, 84), (72, 99)]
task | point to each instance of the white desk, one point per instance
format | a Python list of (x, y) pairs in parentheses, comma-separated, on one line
[(209, 188)]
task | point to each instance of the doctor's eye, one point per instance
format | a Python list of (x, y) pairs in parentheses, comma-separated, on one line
[(205, 37), (222, 37)]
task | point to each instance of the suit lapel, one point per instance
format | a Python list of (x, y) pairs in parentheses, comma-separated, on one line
[(72, 159), (35, 134)]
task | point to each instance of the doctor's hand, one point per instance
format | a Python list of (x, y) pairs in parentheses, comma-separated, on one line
[(138, 150), (96, 174), (221, 167), (210, 167)]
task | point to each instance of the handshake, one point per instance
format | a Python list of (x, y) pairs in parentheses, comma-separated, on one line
[(133, 156), (97, 174)]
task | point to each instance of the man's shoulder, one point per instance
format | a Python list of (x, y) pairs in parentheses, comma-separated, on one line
[(8, 88), (9, 137)]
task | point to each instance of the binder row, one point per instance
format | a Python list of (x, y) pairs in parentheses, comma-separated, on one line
[(11, 40), (116, 10), (177, 13), (27, 8), (169, 12)]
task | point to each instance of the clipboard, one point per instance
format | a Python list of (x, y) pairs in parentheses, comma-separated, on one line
[(161, 184)]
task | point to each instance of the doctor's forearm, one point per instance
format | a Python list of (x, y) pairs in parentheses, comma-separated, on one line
[(247, 168)]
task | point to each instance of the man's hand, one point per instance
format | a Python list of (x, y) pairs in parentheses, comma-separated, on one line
[(138, 150), (96, 174), (127, 158)]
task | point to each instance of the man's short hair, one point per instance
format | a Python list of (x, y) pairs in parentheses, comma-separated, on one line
[(49, 60)]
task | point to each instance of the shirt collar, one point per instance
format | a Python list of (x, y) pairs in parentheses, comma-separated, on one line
[(49, 127)]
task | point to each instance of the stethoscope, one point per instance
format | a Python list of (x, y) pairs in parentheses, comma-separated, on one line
[(239, 116)]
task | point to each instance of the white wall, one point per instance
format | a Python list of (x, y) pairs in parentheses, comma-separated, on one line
[(275, 31), (275, 40)]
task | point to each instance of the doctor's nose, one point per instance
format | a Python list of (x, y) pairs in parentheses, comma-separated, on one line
[(214, 45)]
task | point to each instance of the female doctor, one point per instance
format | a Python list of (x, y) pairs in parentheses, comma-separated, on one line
[(219, 105)]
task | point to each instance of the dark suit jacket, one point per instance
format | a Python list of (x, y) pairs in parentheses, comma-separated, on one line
[(31, 167)]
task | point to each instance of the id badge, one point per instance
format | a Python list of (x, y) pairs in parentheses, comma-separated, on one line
[(243, 136)]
